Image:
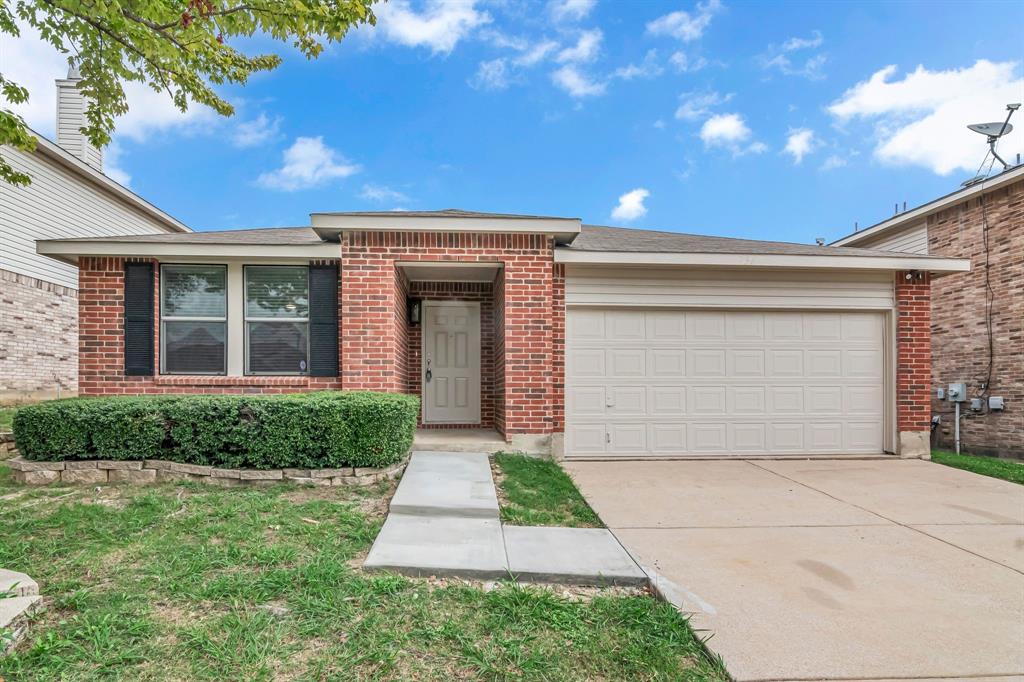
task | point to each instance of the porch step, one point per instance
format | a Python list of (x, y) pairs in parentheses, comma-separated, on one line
[(457, 484), (459, 440)]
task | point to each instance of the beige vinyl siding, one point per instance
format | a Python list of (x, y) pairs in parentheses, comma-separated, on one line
[(70, 118), (910, 239), (58, 204), (741, 288)]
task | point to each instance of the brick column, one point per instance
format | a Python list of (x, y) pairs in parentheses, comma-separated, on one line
[(369, 338), (913, 364)]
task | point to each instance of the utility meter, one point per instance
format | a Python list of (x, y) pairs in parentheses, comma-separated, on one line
[(958, 392)]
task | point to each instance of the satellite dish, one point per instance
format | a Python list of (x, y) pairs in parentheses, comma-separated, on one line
[(995, 130)]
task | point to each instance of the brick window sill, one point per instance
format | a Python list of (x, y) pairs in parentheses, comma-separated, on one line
[(207, 380)]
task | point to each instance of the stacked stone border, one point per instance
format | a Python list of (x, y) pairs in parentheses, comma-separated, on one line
[(96, 471)]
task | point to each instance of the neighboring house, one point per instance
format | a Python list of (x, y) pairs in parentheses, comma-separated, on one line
[(69, 197), (579, 340), (977, 316)]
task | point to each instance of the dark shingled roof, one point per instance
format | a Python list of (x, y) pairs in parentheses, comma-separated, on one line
[(285, 236), (601, 238), (443, 213)]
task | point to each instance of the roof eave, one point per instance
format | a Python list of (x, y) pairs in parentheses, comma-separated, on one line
[(730, 260), (1012, 175), (71, 250), (76, 165)]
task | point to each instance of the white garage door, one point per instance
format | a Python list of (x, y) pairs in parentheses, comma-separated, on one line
[(663, 383)]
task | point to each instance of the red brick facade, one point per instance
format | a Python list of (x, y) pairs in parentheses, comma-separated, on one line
[(522, 330), (959, 324), (913, 352)]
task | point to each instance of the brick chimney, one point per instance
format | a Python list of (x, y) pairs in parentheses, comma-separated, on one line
[(71, 117)]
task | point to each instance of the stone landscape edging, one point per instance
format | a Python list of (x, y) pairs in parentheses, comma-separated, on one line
[(94, 471)]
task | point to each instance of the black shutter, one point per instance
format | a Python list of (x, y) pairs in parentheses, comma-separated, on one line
[(138, 319), (323, 320)]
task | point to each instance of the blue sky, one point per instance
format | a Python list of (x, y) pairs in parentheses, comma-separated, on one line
[(760, 120)]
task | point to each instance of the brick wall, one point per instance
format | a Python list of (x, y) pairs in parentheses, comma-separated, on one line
[(481, 293), (38, 330), (101, 345), (959, 325), (371, 336), (913, 353)]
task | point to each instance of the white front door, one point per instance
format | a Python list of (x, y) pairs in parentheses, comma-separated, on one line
[(451, 362)]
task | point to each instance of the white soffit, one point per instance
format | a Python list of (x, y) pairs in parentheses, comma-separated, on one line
[(450, 272), (928, 264), (71, 250)]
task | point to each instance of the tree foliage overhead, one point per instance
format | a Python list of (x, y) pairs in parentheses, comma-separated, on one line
[(180, 47)]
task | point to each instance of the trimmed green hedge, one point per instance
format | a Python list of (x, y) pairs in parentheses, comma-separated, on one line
[(302, 430)]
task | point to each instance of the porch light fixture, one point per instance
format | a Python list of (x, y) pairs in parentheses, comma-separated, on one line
[(415, 306)]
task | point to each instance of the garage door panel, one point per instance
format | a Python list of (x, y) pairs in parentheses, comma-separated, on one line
[(716, 383), (706, 362)]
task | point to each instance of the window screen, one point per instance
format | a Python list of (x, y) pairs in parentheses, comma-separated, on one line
[(277, 319), (193, 315)]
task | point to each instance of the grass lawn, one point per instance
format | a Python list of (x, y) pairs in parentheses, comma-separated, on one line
[(538, 492), (1006, 469), (187, 582), (7, 417)]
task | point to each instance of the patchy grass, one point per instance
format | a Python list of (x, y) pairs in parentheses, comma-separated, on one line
[(7, 418), (538, 492), (1006, 469), (176, 582)]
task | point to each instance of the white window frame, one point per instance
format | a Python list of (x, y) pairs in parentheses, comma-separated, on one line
[(167, 318), (285, 320)]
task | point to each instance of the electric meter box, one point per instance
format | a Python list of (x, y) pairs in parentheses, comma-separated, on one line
[(957, 392)]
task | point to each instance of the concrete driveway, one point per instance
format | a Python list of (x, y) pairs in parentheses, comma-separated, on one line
[(830, 569)]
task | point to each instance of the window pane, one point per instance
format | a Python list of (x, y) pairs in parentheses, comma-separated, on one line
[(194, 347), (193, 291), (278, 347), (277, 291)]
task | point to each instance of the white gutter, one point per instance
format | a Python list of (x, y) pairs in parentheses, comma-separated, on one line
[(1004, 178), (908, 262), (79, 167), (70, 250)]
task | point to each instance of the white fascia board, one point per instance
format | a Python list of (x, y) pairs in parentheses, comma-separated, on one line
[(563, 229), (938, 265), (931, 207), (71, 250), (76, 165)]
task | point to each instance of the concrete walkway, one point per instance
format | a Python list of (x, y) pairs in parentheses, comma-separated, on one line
[(826, 569), (444, 521)]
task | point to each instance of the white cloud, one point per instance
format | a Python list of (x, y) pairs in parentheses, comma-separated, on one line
[(570, 10), (800, 143), (380, 194), (683, 25), (921, 119), (696, 105), (491, 75), (112, 164), (576, 83), (816, 40), (780, 57), (307, 163), (35, 64), (683, 64), (648, 68), (832, 162), (257, 131), (731, 132), (440, 26), (631, 205), (586, 48), (534, 54)]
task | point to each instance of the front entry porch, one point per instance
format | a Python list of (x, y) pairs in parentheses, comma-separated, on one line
[(459, 440)]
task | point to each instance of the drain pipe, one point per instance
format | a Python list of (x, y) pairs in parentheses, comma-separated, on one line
[(956, 428)]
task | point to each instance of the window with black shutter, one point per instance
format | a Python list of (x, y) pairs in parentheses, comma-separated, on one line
[(193, 319), (138, 319)]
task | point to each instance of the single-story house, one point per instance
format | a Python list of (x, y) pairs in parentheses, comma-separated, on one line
[(977, 316), (579, 340)]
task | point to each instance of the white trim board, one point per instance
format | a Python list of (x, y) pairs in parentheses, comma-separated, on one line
[(70, 250)]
